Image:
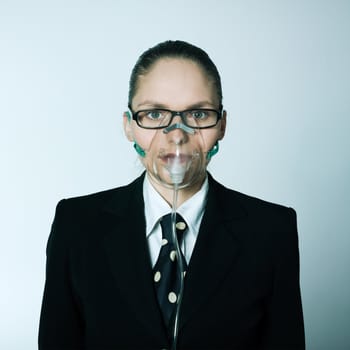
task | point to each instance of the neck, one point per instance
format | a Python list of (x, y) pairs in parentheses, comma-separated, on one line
[(183, 193)]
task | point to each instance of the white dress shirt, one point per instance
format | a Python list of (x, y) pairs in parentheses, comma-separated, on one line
[(156, 207)]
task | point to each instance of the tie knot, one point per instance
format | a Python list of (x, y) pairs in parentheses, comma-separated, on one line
[(166, 224)]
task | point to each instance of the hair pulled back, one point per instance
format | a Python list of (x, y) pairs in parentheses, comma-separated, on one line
[(174, 49)]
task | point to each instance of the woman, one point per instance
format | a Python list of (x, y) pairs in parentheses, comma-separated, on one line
[(105, 274)]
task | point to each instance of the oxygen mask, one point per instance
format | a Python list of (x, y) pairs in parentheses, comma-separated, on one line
[(180, 164), (175, 158)]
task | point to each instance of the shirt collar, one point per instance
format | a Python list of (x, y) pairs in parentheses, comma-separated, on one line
[(155, 207)]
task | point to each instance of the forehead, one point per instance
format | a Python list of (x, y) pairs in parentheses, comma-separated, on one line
[(175, 83)]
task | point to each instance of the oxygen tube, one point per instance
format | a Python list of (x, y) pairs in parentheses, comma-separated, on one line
[(177, 169)]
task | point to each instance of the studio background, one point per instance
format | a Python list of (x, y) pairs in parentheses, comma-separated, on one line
[(64, 70)]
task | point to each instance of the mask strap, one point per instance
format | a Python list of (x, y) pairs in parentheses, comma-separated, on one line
[(213, 151), (140, 151), (128, 114)]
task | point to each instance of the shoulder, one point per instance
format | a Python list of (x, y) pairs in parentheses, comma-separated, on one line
[(233, 203), (99, 200), (78, 217), (255, 221)]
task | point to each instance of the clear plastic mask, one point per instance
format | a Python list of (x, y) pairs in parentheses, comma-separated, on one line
[(177, 155)]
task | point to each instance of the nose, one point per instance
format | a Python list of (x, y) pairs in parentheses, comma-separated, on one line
[(177, 118), (176, 132), (177, 135)]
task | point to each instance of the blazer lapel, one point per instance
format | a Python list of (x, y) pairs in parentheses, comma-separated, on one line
[(215, 252), (127, 250)]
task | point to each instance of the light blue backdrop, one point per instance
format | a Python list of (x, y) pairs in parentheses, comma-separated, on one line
[(64, 69)]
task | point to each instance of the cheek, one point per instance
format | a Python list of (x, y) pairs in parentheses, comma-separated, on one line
[(209, 137), (143, 137)]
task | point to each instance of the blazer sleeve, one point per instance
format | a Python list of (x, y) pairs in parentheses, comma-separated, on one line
[(61, 324), (284, 324)]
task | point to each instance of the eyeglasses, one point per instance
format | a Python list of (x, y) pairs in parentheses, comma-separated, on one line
[(161, 118)]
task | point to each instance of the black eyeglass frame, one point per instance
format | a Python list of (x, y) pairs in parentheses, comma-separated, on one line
[(219, 114)]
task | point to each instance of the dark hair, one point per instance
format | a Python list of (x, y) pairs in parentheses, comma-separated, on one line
[(174, 49)]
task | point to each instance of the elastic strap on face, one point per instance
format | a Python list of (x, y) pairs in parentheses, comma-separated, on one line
[(140, 151), (213, 151), (128, 114)]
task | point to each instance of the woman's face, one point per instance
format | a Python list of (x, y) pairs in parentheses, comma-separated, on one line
[(174, 84)]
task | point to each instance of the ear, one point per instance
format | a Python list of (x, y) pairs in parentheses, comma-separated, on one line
[(222, 125), (127, 126)]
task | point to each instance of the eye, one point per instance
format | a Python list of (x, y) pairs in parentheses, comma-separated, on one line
[(154, 114), (199, 114)]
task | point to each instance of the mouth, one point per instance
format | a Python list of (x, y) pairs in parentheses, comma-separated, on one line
[(173, 157)]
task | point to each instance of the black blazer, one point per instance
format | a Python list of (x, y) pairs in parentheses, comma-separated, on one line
[(241, 287)]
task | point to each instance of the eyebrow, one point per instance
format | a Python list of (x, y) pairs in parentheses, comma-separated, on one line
[(154, 104)]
